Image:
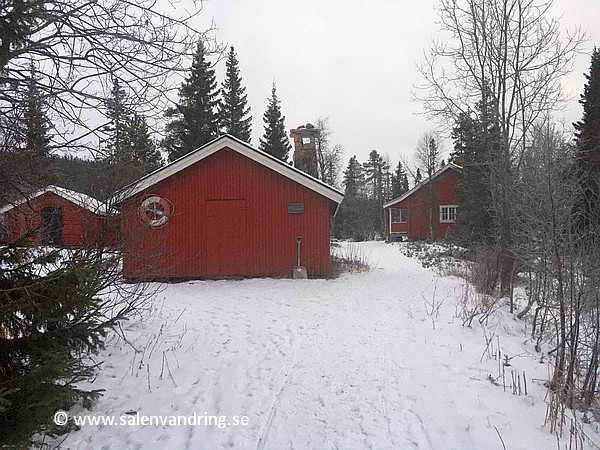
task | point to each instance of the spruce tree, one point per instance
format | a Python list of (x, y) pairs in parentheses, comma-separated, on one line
[(117, 113), (375, 169), (24, 125), (275, 141), (587, 152), (233, 110), (131, 152), (194, 119), (377, 175), (352, 220), (36, 123), (142, 155), (418, 176), (399, 181), (25, 139), (473, 142), (53, 320), (354, 179)]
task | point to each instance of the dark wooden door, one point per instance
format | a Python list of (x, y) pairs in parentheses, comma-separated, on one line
[(52, 226), (226, 239)]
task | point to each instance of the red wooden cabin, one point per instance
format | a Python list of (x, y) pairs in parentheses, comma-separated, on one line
[(409, 214), (58, 217), (225, 210)]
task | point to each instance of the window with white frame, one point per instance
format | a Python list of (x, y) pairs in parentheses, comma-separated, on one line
[(398, 215), (448, 213)]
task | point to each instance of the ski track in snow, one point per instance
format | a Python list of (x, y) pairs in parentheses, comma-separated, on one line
[(355, 362)]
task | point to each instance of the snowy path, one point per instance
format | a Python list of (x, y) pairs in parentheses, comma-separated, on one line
[(355, 362)]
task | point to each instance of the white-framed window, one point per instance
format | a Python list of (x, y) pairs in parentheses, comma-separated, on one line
[(398, 215), (448, 213)]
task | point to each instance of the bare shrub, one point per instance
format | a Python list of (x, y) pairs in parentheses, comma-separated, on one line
[(563, 267), (443, 256), (474, 304), (349, 258), (433, 305), (484, 272)]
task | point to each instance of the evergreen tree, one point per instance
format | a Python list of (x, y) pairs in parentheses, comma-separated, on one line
[(52, 321), (418, 176), (399, 181), (24, 140), (142, 155), (366, 186), (25, 125), (473, 142), (131, 152), (275, 140), (36, 123), (354, 179), (376, 169), (352, 220), (233, 109), (587, 151), (117, 113), (388, 183), (194, 119), (377, 179)]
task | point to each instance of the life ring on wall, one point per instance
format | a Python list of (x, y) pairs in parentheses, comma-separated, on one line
[(155, 211)]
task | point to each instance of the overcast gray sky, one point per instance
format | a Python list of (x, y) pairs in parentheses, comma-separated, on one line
[(354, 62)]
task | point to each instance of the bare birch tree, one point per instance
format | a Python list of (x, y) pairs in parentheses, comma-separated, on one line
[(329, 157), (510, 55), (563, 267), (80, 47)]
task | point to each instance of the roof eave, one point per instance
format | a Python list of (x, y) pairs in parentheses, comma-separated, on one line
[(63, 193)]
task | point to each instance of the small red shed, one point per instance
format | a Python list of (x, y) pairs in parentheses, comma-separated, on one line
[(409, 214), (56, 216), (225, 210)]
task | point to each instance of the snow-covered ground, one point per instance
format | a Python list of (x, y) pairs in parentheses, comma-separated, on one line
[(377, 359)]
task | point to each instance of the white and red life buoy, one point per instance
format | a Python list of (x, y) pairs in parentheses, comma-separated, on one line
[(155, 211)]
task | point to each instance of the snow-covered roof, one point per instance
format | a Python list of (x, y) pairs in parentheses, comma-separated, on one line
[(407, 194), (241, 147), (82, 200)]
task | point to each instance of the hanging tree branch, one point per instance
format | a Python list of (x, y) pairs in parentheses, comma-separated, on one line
[(78, 46)]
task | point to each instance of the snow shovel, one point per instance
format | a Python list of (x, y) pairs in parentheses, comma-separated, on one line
[(299, 271)]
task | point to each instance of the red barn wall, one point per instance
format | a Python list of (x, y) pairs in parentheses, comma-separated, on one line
[(230, 218), (81, 227), (417, 206)]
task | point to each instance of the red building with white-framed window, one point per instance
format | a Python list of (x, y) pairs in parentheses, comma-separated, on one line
[(409, 215)]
